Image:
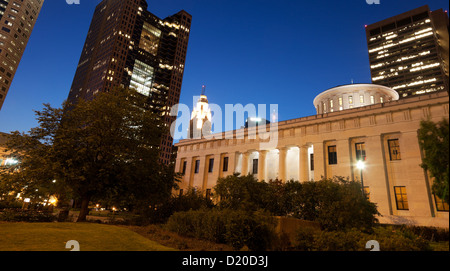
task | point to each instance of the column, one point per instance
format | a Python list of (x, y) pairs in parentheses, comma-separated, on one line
[(231, 164), (262, 166), (178, 164), (244, 168), (216, 171), (319, 161), (282, 164), (304, 164)]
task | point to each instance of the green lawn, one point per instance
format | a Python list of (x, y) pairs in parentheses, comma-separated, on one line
[(90, 236)]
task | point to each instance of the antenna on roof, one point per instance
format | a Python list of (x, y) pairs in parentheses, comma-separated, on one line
[(203, 90), (352, 81)]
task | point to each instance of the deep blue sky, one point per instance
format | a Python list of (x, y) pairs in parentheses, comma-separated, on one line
[(281, 52)]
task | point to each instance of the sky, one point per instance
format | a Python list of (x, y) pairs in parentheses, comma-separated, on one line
[(282, 52)]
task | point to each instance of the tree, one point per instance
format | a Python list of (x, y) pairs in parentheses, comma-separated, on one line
[(434, 140), (337, 203), (241, 192), (107, 147)]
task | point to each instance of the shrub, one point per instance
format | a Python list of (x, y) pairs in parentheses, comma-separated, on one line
[(191, 200), (355, 240), (391, 239), (26, 216), (431, 234), (304, 239), (10, 205), (337, 204), (235, 228)]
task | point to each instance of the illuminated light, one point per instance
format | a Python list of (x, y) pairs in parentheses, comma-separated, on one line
[(425, 67), (53, 200), (26, 200), (377, 66), (400, 86), (391, 37), (430, 80), (423, 31), (378, 78), (11, 162), (416, 83), (360, 165)]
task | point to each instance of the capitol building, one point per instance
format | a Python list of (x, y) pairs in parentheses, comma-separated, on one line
[(361, 131)]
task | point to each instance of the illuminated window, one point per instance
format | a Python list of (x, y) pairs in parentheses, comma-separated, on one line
[(441, 205), (372, 99), (381, 100), (401, 198), (150, 39), (361, 99), (394, 150), (350, 99), (142, 78), (360, 151)]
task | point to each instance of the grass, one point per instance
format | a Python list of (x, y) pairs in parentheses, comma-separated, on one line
[(90, 236), (440, 246), (165, 237)]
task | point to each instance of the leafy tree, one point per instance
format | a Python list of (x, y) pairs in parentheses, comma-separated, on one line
[(104, 148), (337, 203), (433, 140), (340, 205), (241, 192)]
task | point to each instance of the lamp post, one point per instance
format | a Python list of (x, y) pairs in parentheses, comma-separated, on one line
[(360, 165)]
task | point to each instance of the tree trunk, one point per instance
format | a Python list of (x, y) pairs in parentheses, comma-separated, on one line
[(84, 209)]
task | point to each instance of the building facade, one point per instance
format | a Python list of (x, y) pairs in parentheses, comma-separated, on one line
[(17, 19), (382, 135), (127, 46), (410, 52)]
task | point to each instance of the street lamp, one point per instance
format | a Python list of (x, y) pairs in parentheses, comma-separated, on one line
[(361, 165)]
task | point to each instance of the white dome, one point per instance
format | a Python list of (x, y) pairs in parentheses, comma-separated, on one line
[(352, 96)]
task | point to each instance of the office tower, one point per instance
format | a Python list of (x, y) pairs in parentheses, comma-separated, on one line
[(17, 19), (127, 46), (409, 52)]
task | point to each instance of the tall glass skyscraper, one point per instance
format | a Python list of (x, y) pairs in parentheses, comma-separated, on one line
[(409, 52), (17, 19), (128, 46)]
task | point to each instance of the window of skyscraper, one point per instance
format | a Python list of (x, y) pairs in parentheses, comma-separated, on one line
[(142, 78), (150, 39)]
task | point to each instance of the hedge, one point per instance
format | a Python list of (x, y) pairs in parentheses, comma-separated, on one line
[(238, 229)]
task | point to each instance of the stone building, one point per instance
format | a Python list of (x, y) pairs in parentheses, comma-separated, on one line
[(382, 135)]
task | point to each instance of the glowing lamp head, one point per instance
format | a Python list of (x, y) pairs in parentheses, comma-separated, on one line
[(360, 165)]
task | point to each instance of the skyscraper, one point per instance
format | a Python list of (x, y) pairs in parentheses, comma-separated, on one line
[(17, 19), (128, 46), (409, 52)]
